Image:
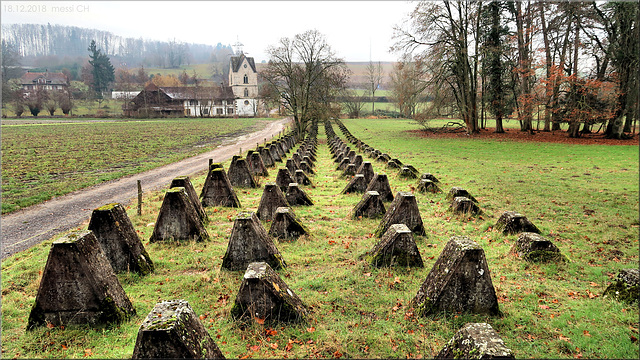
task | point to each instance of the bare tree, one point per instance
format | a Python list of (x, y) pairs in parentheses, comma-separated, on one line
[(374, 75), (305, 73)]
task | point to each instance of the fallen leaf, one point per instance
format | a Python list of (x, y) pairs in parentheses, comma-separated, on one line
[(271, 332), (260, 321), (337, 354), (311, 329), (545, 307), (255, 348), (586, 333), (273, 346), (88, 352)]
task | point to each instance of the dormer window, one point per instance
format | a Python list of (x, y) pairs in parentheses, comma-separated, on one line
[(246, 78)]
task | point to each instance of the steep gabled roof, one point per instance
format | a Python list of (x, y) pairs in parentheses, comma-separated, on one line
[(51, 78), (193, 93), (236, 61)]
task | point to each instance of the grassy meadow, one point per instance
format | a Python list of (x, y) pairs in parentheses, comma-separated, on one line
[(50, 158), (583, 197)]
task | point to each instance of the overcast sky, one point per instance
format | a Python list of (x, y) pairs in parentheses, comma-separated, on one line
[(355, 30)]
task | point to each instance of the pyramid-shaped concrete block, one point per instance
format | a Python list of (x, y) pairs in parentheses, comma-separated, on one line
[(284, 178), (249, 242), (428, 186), (285, 225), (429, 176), (458, 282), (272, 198), (457, 191), (535, 248), (178, 219), (257, 165), (370, 206), (185, 182), (240, 174), (219, 191), (118, 239), (296, 196), (402, 210), (475, 341), (302, 179), (380, 183), (396, 248), (275, 154), (172, 330), (366, 169), (465, 206), (264, 297), (79, 286), (357, 184), (266, 157), (511, 222), (406, 173)]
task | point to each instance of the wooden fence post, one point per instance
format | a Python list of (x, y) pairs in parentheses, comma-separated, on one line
[(139, 198)]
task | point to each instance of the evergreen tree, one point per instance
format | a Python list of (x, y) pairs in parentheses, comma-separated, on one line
[(102, 70)]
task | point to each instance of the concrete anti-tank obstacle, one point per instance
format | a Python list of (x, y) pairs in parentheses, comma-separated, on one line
[(380, 183), (535, 248), (266, 157), (285, 225), (249, 242), (475, 341), (79, 286), (402, 210), (426, 185), (366, 169), (343, 163), (172, 330), (257, 165), (464, 205), (304, 166), (119, 241), (511, 222), (212, 166), (275, 155), (429, 176), (357, 184), (219, 191), (185, 182), (178, 219), (350, 170), (264, 297), (292, 166), (370, 206), (284, 178), (458, 191), (240, 174), (458, 282), (272, 198), (296, 196), (396, 248), (302, 179), (625, 287)]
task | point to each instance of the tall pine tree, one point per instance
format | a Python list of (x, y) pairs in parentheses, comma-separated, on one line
[(102, 70)]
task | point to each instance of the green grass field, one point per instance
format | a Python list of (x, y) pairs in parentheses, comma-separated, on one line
[(52, 158), (582, 197)]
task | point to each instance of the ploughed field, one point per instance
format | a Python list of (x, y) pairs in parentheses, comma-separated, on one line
[(582, 197)]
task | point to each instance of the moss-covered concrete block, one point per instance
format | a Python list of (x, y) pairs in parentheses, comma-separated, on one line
[(512, 222), (285, 225), (296, 196), (218, 191), (396, 248), (185, 182), (249, 242), (459, 281), (475, 341), (172, 330), (79, 286), (465, 206), (402, 210), (178, 219), (370, 206), (536, 248), (263, 296), (272, 198), (380, 183), (118, 239), (625, 287)]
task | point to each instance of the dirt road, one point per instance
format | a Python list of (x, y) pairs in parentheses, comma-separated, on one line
[(30, 226)]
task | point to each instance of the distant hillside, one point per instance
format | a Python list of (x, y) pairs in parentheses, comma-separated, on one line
[(36, 41)]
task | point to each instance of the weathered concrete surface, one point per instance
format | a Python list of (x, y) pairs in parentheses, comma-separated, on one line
[(464, 205), (535, 248), (475, 341), (172, 330), (284, 178), (240, 174), (285, 225), (272, 198), (249, 242), (625, 287), (511, 222), (118, 239), (185, 182), (79, 286), (402, 210), (296, 196), (427, 185), (357, 184), (218, 191), (396, 248), (178, 219), (370, 206), (380, 183), (265, 297), (458, 282)]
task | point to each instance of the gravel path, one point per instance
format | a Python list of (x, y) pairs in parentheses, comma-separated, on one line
[(30, 226)]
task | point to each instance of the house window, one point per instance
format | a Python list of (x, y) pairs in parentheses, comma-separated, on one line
[(193, 102), (205, 111), (219, 111), (246, 92), (246, 79), (230, 110)]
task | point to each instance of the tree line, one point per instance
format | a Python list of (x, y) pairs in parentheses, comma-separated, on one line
[(569, 62)]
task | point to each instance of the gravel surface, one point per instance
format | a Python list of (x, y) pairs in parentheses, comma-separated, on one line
[(30, 226)]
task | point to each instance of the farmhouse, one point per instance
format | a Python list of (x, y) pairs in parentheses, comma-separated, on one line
[(34, 81), (239, 98)]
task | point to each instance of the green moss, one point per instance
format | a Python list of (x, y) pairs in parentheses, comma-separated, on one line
[(425, 308), (543, 256), (36, 317), (107, 207), (145, 265), (112, 313), (621, 292)]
